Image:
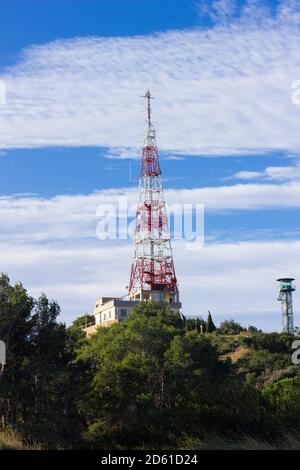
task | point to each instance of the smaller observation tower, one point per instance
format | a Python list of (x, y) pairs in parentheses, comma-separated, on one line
[(286, 287)]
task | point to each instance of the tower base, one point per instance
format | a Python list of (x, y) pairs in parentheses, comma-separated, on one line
[(169, 296)]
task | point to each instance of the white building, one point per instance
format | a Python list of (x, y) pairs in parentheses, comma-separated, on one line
[(109, 310)]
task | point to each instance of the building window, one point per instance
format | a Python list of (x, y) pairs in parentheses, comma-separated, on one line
[(123, 312), (109, 314), (104, 316)]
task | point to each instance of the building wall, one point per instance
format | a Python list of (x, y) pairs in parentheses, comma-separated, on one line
[(112, 310), (109, 310)]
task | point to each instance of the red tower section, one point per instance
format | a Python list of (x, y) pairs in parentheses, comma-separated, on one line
[(152, 273)]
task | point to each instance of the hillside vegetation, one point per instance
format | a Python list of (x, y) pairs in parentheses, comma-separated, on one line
[(10, 440), (154, 381)]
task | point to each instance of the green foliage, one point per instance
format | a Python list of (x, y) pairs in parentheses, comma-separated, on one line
[(147, 374), (269, 360), (210, 326), (263, 361), (230, 327), (269, 377), (195, 324), (156, 380), (34, 382), (272, 342), (283, 398), (224, 343), (10, 440), (83, 321), (253, 330), (153, 380)]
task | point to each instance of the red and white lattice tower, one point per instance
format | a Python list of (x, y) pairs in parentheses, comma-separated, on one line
[(152, 272)]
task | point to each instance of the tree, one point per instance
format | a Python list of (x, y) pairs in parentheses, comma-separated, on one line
[(15, 311), (35, 381), (230, 327), (143, 376), (272, 342), (253, 329), (194, 324), (210, 326), (263, 361), (83, 320), (283, 399), (152, 381), (47, 367)]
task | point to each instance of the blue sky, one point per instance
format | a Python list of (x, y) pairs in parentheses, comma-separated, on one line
[(41, 21), (228, 132)]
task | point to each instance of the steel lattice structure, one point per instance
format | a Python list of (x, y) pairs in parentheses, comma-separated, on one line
[(153, 267), (285, 297)]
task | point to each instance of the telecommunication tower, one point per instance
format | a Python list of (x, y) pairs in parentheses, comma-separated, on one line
[(152, 273), (286, 287)]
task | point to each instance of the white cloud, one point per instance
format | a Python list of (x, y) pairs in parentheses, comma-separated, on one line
[(223, 11), (222, 91), (218, 92), (246, 175), (174, 158), (51, 245), (232, 280), (219, 11), (240, 196), (35, 219), (289, 9), (132, 153), (239, 278), (274, 173)]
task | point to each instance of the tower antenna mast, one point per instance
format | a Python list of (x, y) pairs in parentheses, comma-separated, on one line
[(148, 97), (152, 271)]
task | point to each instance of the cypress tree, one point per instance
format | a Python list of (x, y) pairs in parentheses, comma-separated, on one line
[(210, 324)]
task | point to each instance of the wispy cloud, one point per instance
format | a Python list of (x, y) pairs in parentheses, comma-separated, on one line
[(219, 11), (59, 234), (127, 153), (224, 11), (174, 158), (69, 218), (76, 275), (274, 173), (219, 91)]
